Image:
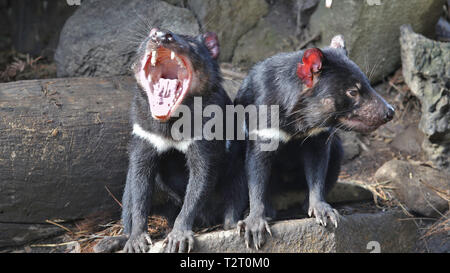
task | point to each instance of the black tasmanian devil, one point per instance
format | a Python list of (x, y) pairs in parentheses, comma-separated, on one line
[(317, 91), (173, 71)]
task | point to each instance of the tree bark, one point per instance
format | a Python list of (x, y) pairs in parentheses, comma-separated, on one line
[(62, 143)]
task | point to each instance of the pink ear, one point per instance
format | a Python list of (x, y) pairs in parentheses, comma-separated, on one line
[(311, 63), (212, 43)]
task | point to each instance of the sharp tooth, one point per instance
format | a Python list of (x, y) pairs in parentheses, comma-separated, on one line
[(180, 63), (172, 55), (154, 57)]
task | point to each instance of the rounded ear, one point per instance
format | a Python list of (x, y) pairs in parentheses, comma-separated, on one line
[(212, 43), (338, 42), (311, 64)]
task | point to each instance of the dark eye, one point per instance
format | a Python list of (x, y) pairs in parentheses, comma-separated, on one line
[(352, 93)]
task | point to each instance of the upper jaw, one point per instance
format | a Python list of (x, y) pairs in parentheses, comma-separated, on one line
[(166, 78)]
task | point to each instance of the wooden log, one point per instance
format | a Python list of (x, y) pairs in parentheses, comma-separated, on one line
[(62, 142)]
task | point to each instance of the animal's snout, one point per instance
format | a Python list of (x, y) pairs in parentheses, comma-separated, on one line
[(161, 37), (389, 113)]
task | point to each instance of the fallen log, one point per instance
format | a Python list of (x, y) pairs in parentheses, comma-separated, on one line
[(62, 141)]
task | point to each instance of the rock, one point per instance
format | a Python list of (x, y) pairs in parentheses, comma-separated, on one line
[(5, 27), (356, 233), (273, 34), (178, 3), (348, 192), (229, 19), (35, 25), (305, 8), (409, 141), (443, 29), (434, 235), (20, 234), (350, 144), (371, 31), (426, 69), (438, 243), (422, 189), (231, 86), (106, 45), (342, 192)]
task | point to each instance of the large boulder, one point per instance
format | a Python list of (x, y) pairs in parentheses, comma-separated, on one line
[(371, 28), (272, 34), (380, 232), (426, 69), (422, 189), (229, 19), (284, 29), (100, 39), (35, 25)]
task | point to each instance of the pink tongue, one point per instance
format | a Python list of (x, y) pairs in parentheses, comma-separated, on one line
[(163, 97)]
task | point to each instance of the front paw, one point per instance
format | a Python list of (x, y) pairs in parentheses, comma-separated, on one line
[(322, 210), (254, 227), (138, 243), (178, 240)]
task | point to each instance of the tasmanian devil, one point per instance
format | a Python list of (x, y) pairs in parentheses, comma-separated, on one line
[(173, 71), (317, 91)]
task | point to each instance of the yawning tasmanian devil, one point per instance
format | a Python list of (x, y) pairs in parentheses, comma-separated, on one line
[(318, 91), (173, 71)]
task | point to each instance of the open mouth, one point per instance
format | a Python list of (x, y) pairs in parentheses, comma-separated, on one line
[(166, 78), (354, 124)]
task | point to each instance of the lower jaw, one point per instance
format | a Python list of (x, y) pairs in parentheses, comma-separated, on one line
[(358, 126)]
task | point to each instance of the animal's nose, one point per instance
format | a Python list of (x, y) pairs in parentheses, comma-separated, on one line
[(161, 37), (389, 114)]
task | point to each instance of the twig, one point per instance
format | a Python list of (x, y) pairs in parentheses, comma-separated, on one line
[(58, 225), (112, 195)]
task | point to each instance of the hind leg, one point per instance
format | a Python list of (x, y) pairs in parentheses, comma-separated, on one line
[(334, 164), (321, 162), (237, 201)]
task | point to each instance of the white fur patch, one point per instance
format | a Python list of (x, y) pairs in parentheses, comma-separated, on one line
[(272, 133), (338, 42), (314, 132), (282, 136), (160, 143)]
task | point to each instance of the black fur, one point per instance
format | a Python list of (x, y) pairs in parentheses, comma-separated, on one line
[(203, 177), (311, 117)]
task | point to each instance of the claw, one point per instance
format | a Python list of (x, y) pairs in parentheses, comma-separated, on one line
[(239, 228), (149, 240), (268, 229)]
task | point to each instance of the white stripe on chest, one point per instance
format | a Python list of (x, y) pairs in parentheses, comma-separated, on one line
[(161, 144), (272, 133), (283, 136)]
